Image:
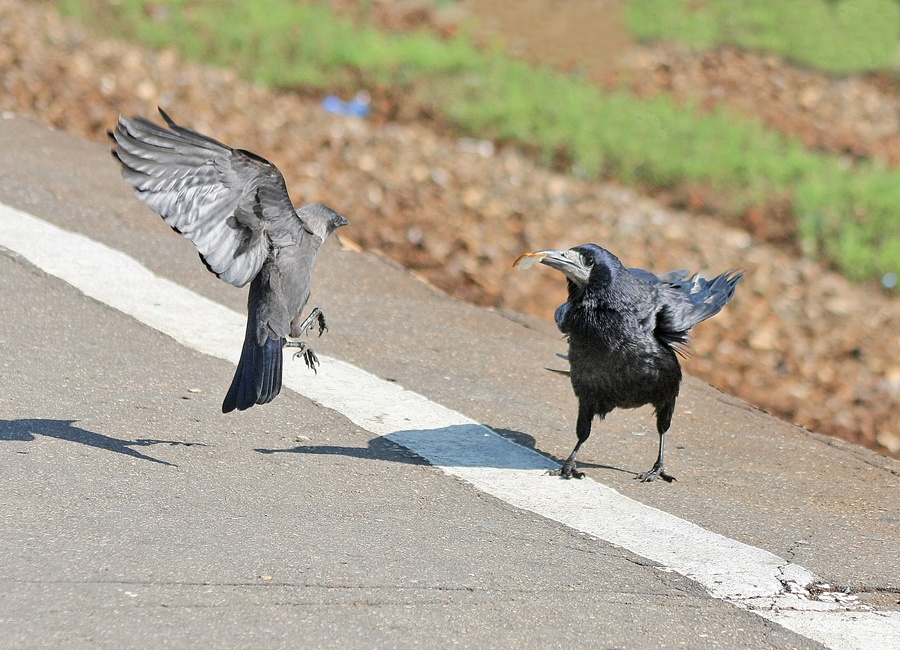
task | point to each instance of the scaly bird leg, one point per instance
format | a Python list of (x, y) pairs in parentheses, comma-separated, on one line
[(306, 325), (658, 470), (312, 361), (568, 470), (583, 431)]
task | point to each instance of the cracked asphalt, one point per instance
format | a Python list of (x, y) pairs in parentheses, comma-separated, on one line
[(136, 514)]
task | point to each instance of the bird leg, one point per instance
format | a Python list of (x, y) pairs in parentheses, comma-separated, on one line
[(306, 325), (583, 431), (568, 469), (312, 361), (658, 470), (664, 413)]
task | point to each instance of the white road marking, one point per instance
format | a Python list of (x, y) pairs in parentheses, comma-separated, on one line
[(743, 575)]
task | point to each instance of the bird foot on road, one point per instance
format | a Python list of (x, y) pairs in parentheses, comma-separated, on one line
[(566, 472), (653, 474), (312, 361)]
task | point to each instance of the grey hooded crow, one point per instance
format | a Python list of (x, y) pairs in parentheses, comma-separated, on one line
[(234, 206)]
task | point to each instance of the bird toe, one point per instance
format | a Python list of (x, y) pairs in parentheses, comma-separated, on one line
[(312, 361), (653, 474), (566, 473)]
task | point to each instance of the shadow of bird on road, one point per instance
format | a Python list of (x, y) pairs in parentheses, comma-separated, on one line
[(29, 429), (383, 448)]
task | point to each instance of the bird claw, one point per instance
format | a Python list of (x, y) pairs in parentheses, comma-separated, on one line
[(653, 474), (322, 326), (315, 316), (566, 471), (312, 361)]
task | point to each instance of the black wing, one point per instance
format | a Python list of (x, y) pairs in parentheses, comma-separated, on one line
[(686, 300), (224, 200)]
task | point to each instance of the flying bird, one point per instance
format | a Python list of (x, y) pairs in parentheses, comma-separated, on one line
[(234, 206), (625, 327)]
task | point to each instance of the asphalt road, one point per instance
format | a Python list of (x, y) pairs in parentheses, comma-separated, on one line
[(135, 514)]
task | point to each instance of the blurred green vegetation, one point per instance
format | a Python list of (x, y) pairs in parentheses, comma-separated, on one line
[(838, 36), (848, 214)]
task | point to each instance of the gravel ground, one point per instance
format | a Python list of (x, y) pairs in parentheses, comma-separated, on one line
[(797, 340), (857, 116)]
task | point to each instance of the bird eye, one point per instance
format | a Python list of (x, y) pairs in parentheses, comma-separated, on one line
[(589, 262)]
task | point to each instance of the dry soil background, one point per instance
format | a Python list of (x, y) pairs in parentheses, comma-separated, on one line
[(797, 340)]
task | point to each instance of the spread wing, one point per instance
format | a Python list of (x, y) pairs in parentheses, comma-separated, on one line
[(226, 201), (685, 300)]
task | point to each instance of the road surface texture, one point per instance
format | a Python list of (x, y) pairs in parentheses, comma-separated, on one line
[(136, 514)]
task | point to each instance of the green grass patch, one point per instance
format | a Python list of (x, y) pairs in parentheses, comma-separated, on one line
[(848, 214), (837, 36)]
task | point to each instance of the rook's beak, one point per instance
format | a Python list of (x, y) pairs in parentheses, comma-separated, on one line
[(569, 262)]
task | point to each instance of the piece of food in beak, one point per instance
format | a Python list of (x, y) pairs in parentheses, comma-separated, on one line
[(527, 260)]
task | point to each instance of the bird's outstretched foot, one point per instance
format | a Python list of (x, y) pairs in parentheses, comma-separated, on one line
[(657, 471), (312, 361), (567, 471), (320, 316), (316, 315)]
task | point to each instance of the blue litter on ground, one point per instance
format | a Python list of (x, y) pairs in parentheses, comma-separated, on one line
[(356, 107)]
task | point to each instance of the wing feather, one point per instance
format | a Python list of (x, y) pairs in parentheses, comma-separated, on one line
[(692, 301), (224, 200), (686, 300)]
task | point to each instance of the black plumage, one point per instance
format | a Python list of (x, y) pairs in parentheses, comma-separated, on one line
[(234, 206), (625, 327)]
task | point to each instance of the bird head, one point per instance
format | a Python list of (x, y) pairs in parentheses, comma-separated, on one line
[(583, 265), (321, 219)]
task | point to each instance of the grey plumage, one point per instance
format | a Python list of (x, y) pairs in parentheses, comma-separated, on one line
[(234, 206), (625, 327)]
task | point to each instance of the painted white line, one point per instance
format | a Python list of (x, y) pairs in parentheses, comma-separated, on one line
[(743, 575)]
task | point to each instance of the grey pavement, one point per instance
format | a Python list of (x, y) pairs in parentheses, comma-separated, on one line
[(135, 514)]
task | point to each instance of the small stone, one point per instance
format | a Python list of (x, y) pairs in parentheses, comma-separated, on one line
[(764, 338), (843, 305), (440, 177), (375, 195), (889, 440), (146, 90), (472, 197), (367, 162), (557, 186)]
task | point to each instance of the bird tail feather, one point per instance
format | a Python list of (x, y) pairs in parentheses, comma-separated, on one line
[(257, 379)]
